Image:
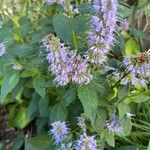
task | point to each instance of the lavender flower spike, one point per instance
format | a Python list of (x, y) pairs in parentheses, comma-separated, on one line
[(59, 131), (2, 49), (113, 125), (86, 143), (58, 59), (101, 36), (65, 66)]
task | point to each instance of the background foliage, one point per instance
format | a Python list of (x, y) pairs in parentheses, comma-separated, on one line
[(30, 96)]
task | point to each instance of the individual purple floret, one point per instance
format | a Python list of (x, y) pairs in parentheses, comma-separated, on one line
[(2, 49), (113, 125), (86, 143), (59, 131), (101, 36)]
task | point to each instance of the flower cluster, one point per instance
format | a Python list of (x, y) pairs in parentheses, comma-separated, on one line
[(113, 125), (103, 26), (2, 49), (137, 68), (86, 143), (59, 131), (65, 66)]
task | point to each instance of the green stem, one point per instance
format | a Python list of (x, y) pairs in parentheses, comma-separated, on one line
[(68, 8), (77, 3), (75, 42)]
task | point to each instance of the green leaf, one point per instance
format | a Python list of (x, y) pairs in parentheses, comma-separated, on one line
[(122, 92), (148, 148), (6, 34), (22, 50), (124, 10), (89, 100), (139, 97), (140, 34), (109, 137), (100, 120), (58, 113), (39, 85), (132, 47), (9, 82), (18, 142), (85, 8), (123, 109), (33, 105), (41, 124), (126, 124), (39, 143), (22, 118), (128, 147), (43, 107), (69, 96), (1, 146), (64, 26)]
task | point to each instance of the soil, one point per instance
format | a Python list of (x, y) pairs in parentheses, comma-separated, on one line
[(7, 134)]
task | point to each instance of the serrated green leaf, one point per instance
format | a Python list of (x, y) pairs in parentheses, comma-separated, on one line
[(100, 120), (69, 96), (128, 147), (39, 85), (89, 100), (126, 124), (8, 84), (43, 107), (110, 139), (123, 109), (39, 143), (140, 34), (122, 92), (139, 97), (65, 26), (33, 105), (58, 113)]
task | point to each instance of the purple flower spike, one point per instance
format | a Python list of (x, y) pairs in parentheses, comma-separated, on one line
[(59, 131), (86, 143), (113, 125), (101, 36), (65, 66)]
